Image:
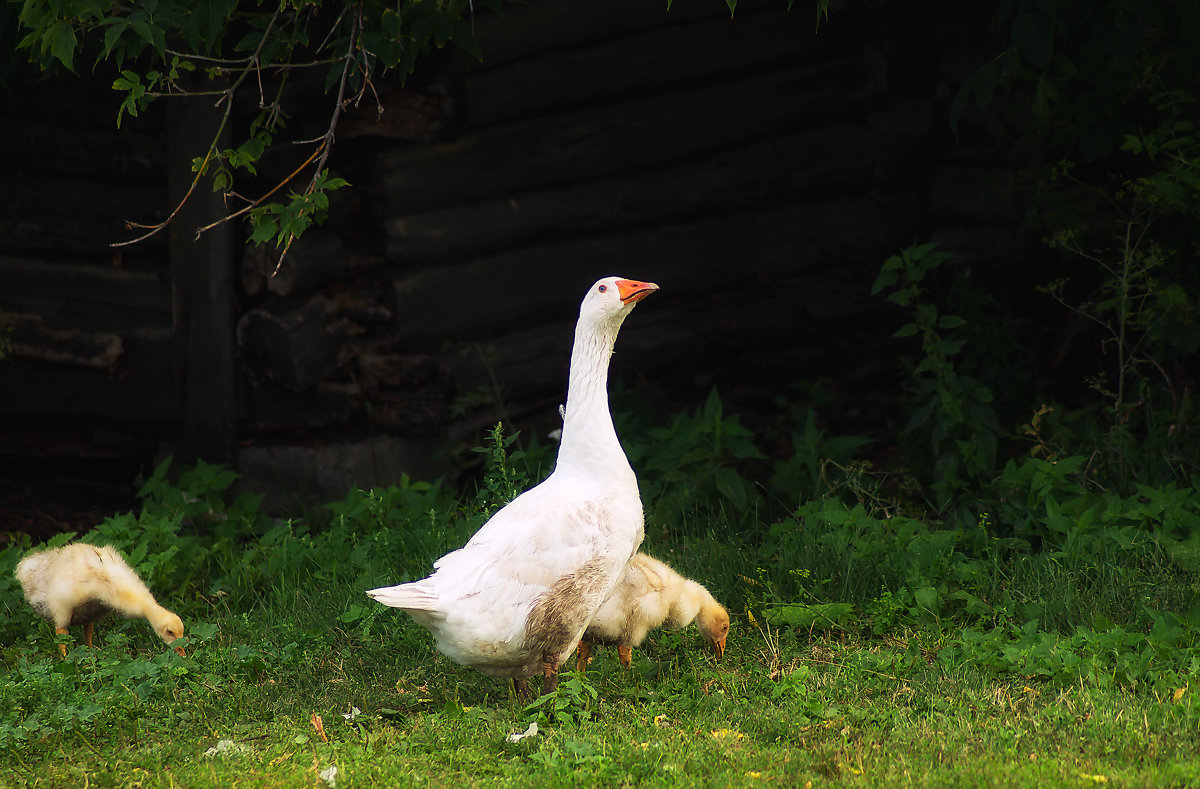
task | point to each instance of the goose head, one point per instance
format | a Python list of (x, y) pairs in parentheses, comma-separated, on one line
[(612, 298), (713, 623)]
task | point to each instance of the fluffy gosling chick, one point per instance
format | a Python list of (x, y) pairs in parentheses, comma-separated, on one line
[(79, 583), (649, 595)]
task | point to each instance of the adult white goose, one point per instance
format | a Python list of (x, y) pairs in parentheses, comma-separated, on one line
[(517, 597)]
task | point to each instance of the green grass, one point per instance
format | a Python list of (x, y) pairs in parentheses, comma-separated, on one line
[(1054, 642), (781, 709)]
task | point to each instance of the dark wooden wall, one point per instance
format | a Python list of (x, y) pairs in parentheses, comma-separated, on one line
[(758, 170)]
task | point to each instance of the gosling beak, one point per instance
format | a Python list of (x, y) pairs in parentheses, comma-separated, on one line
[(181, 652), (719, 648), (633, 291)]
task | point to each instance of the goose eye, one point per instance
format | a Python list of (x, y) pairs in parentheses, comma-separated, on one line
[(603, 288)]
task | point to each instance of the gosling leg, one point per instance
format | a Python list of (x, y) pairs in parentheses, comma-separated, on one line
[(88, 629), (625, 653), (62, 648)]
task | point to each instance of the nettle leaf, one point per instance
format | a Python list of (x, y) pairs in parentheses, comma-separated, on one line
[(886, 278), (731, 485)]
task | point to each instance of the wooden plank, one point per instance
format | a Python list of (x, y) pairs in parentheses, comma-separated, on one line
[(825, 162), (650, 62), (650, 132), (202, 291)]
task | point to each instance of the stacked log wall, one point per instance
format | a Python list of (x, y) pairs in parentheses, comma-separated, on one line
[(758, 169)]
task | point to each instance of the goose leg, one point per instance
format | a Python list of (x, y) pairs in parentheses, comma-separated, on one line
[(62, 648), (585, 654), (521, 688), (88, 629), (549, 673), (625, 653)]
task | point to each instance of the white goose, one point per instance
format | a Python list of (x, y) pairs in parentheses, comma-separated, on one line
[(517, 597)]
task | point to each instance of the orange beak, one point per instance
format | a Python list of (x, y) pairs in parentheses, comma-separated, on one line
[(181, 652), (719, 648), (633, 291)]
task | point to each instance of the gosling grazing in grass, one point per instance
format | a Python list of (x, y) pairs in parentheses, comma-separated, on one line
[(79, 583), (649, 595)]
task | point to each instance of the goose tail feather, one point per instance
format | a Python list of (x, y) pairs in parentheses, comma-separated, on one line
[(409, 597)]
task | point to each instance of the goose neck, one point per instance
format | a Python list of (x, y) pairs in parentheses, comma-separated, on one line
[(588, 435)]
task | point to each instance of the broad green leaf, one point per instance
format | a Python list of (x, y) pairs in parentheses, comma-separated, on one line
[(63, 43)]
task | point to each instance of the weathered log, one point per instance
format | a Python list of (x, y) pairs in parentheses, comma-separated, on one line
[(31, 338), (287, 342), (828, 161), (653, 61), (409, 115), (687, 258), (395, 370), (78, 215), (71, 148), (140, 388), (655, 131), (315, 259), (528, 29), (271, 408), (84, 296)]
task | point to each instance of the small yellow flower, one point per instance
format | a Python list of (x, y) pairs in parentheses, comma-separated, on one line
[(727, 734), (753, 774), (661, 720), (1096, 779)]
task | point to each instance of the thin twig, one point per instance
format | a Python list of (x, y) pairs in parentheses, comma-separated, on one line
[(191, 188), (259, 201), (227, 97), (327, 144), (337, 108)]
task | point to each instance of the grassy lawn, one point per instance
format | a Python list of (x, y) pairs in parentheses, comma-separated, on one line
[(783, 708), (1050, 640)]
